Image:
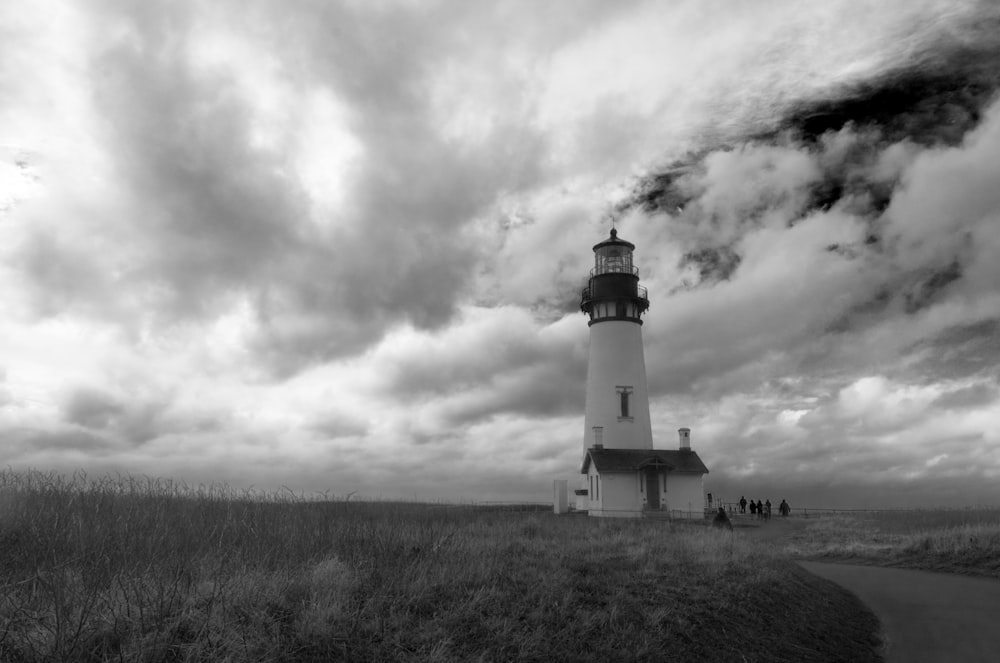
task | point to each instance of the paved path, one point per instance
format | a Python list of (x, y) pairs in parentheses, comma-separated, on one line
[(926, 616)]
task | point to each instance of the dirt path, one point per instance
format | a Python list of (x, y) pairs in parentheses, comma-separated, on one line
[(926, 616)]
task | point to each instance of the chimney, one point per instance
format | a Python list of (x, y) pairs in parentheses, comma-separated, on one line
[(598, 437), (685, 435)]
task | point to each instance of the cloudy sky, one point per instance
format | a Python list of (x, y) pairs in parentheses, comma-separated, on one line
[(339, 246)]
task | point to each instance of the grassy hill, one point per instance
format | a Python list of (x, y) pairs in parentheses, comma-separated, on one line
[(144, 570)]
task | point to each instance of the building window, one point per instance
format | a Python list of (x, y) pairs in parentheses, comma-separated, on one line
[(622, 309), (598, 487), (624, 402)]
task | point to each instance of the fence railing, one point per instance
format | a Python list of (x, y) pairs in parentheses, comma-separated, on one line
[(641, 293), (733, 508)]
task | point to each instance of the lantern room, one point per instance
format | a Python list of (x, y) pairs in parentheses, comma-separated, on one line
[(613, 291), (614, 256)]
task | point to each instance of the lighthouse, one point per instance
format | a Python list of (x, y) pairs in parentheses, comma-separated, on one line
[(624, 476), (617, 406)]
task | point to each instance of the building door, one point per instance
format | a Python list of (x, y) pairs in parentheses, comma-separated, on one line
[(652, 489)]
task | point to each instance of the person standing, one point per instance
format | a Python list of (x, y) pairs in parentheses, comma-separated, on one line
[(743, 504), (753, 508), (767, 510), (784, 509), (760, 509)]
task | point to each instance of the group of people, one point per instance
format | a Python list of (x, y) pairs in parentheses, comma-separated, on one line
[(760, 509), (763, 509)]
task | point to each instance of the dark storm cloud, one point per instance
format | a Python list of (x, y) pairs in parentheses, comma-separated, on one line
[(61, 275), (863, 164), (929, 287), (92, 408), (968, 397), (72, 440), (935, 98), (863, 314), (333, 428), (902, 293), (660, 191), (958, 351), (405, 255), (712, 262), (455, 367), (136, 418), (216, 212), (538, 391), (498, 361), (214, 215)]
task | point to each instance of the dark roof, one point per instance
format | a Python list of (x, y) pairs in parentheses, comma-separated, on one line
[(613, 239), (630, 460)]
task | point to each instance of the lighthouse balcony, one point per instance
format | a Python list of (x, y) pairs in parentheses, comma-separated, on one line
[(590, 294)]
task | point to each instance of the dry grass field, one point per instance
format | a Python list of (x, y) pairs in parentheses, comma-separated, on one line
[(956, 541), (122, 569)]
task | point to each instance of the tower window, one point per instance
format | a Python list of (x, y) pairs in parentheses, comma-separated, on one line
[(624, 398)]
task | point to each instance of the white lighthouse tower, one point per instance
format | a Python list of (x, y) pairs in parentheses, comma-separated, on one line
[(617, 409)]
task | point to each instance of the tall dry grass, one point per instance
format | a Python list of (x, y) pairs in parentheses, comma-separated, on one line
[(956, 540), (126, 569)]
